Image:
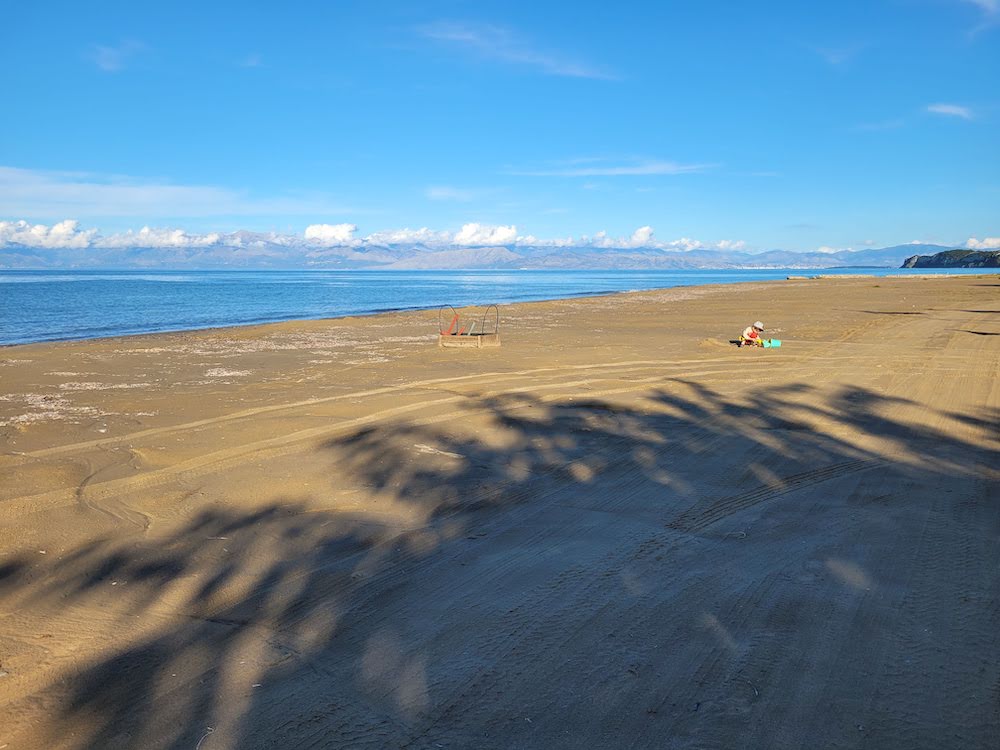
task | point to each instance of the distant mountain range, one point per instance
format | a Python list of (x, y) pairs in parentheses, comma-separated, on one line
[(252, 250)]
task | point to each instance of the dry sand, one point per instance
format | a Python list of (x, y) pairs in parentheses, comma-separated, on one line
[(615, 531)]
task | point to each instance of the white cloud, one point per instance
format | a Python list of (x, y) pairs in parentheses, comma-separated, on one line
[(423, 236), (635, 168), (532, 240), (989, 14), (641, 236), (52, 195), (147, 237), (685, 244), (485, 234), (113, 59), (731, 245), (989, 7), (827, 250), (331, 234), (65, 234), (950, 110), (987, 243), (504, 45)]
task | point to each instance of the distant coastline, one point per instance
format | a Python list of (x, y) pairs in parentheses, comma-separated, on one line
[(250, 251)]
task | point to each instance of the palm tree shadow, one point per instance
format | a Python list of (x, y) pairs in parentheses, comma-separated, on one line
[(285, 625)]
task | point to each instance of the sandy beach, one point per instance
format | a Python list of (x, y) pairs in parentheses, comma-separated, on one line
[(617, 530)]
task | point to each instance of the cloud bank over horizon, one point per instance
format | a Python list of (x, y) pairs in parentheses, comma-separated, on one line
[(69, 235)]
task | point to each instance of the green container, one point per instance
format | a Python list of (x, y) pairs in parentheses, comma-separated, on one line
[(772, 343)]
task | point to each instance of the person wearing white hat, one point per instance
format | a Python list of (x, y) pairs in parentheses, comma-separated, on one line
[(751, 335)]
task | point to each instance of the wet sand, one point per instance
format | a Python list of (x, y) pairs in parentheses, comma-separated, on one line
[(616, 530)]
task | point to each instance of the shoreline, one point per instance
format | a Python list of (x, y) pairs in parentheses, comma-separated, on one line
[(335, 526), (346, 316), (531, 300)]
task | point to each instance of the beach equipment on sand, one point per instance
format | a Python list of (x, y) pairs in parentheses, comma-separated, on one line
[(765, 343), (476, 330)]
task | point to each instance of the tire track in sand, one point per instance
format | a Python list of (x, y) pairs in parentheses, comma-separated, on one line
[(283, 444), (496, 376), (701, 516)]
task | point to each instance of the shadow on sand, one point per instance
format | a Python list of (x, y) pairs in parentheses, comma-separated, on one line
[(587, 575)]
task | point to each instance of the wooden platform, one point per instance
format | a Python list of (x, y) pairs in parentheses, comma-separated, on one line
[(475, 340)]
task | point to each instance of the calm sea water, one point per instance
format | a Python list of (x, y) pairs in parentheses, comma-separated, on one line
[(57, 305)]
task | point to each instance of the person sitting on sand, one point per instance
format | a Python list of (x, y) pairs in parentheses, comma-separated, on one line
[(751, 335)]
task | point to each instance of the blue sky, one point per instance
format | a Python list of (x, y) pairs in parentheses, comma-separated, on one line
[(788, 125)]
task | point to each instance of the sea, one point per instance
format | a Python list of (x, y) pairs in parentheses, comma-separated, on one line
[(64, 305)]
